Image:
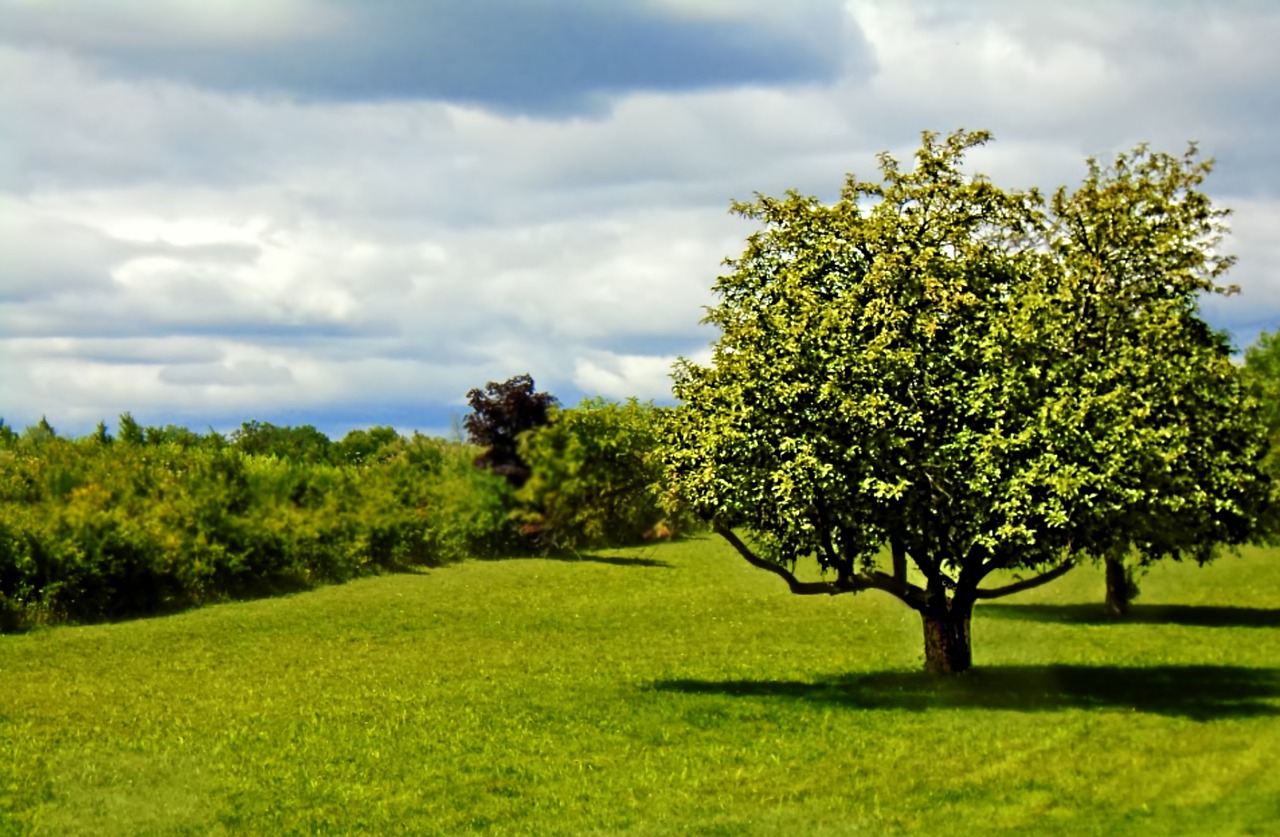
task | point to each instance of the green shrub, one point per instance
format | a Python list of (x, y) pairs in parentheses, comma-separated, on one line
[(92, 530), (593, 477)]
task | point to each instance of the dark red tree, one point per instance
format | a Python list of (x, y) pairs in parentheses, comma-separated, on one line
[(500, 413)]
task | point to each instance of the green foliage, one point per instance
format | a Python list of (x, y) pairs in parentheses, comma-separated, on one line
[(39, 433), (302, 444), (1136, 245), (91, 530), (593, 477), (171, 434), (367, 446), (131, 433), (1262, 369), (978, 377), (100, 435), (472, 508)]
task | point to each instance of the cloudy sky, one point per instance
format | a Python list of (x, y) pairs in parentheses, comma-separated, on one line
[(348, 213)]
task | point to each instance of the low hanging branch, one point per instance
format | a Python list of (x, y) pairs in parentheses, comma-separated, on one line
[(1026, 584), (892, 584), (909, 593)]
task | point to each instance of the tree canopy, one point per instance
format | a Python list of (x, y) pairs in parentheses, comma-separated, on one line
[(499, 414), (987, 381), (1262, 369)]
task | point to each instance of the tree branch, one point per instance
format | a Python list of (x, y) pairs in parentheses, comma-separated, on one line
[(931, 570), (800, 588), (912, 595), (1027, 584)]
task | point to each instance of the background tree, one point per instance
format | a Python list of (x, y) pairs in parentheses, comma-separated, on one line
[(41, 431), (300, 444), (1131, 233), (1262, 370), (131, 433), (499, 414), (923, 365), (593, 476), (172, 434), (360, 447), (100, 434)]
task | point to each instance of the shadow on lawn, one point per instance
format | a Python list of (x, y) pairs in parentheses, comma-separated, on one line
[(1202, 616), (1201, 693), (589, 558)]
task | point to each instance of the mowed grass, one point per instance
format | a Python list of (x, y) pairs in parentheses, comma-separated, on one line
[(668, 691)]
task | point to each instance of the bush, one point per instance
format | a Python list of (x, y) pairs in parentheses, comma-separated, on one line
[(593, 477), (92, 530)]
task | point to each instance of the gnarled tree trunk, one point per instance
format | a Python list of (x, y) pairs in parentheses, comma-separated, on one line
[(1118, 587), (946, 643)]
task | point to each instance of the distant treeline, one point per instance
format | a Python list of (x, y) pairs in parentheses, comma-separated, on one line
[(154, 519)]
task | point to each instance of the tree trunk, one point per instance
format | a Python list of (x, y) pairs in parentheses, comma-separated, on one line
[(946, 643), (1117, 587), (899, 560)]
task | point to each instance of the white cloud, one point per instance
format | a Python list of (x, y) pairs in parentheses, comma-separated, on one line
[(1253, 240), (623, 376), (180, 251)]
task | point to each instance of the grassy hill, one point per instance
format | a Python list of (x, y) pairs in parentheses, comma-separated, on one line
[(666, 691)]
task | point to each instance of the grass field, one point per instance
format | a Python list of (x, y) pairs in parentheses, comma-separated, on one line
[(666, 691)]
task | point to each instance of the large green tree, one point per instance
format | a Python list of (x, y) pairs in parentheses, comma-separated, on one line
[(992, 384)]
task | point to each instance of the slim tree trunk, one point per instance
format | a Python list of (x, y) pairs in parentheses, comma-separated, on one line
[(946, 643), (1118, 592), (899, 559)]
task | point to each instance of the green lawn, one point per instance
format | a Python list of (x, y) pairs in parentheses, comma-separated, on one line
[(672, 690)]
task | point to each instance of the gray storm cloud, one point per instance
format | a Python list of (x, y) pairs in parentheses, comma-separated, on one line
[(511, 55)]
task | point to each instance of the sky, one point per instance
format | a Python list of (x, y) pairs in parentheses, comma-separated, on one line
[(349, 214)]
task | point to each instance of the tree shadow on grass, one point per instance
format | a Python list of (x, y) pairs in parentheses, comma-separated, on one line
[(612, 560), (1202, 616), (591, 558), (1201, 693)]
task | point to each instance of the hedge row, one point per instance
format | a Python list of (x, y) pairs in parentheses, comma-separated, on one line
[(92, 529)]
